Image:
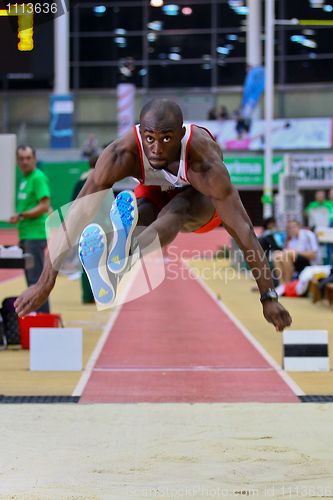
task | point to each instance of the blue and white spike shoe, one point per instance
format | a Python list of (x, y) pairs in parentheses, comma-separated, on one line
[(124, 218), (92, 254)]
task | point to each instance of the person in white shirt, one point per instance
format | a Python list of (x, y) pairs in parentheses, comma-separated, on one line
[(301, 250)]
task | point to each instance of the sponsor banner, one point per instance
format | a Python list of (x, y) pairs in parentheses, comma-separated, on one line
[(61, 123), (253, 88), (313, 169), (292, 134), (250, 171)]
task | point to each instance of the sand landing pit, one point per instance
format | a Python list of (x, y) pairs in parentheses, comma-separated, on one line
[(175, 451)]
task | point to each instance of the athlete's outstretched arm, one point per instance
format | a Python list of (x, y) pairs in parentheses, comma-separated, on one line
[(115, 163), (212, 179)]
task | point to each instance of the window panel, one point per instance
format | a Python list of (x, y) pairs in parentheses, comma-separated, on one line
[(199, 18), (228, 46), (106, 77), (308, 71), (106, 49), (231, 73), (301, 9), (127, 18), (309, 39), (227, 17), (187, 46), (178, 75)]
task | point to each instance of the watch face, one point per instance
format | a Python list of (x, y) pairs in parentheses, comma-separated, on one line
[(270, 295)]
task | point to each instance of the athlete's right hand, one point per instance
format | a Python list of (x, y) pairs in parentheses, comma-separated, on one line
[(32, 298)]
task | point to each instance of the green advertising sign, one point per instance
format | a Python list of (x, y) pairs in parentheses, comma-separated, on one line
[(249, 171)]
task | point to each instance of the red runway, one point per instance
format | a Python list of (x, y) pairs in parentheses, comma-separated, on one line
[(176, 345)]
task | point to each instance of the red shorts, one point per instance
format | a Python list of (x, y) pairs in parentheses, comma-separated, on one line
[(160, 198)]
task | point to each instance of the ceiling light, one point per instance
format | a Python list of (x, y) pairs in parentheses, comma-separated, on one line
[(120, 41), (170, 9), (99, 9), (242, 11), (316, 4), (120, 31), (174, 56), (187, 11), (222, 50), (328, 8), (151, 37), (236, 3), (143, 72), (309, 43), (232, 38), (297, 38), (308, 32), (155, 25), (156, 3)]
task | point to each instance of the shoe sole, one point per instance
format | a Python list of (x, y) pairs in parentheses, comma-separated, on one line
[(92, 255), (119, 247)]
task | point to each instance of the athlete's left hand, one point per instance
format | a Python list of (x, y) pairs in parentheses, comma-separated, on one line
[(275, 313)]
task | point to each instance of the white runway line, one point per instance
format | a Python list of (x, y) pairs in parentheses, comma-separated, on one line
[(183, 369), (95, 354), (285, 377), (101, 342)]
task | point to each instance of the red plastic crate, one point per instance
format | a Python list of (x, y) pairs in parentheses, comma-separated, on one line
[(37, 320)]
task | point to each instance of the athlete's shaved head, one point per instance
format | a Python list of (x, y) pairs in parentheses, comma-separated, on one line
[(162, 114)]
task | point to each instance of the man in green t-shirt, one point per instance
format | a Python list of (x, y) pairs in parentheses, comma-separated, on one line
[(32, 205), (318, 211), (330, 205)]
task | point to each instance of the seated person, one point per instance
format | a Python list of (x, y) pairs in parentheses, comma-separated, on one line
[(318, 211), (301, 250), (271, 238)]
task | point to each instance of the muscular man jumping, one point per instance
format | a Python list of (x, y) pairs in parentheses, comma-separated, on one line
[(185, 187)]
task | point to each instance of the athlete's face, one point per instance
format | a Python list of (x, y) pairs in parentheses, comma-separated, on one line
[(161, 142)]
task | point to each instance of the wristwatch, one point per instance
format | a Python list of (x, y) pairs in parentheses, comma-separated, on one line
[(20, 216), (269, 295)]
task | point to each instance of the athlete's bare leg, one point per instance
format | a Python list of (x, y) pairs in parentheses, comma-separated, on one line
[(147, 213)]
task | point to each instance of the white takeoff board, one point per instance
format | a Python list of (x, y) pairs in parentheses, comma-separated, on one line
[(8, 175)]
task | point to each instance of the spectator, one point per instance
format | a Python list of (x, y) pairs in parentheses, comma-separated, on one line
[(90, 147), (330, 205), (271, 240), (80, 183), (212, 115), (223, 113), (318, 211), (301, 250), (33, 204)]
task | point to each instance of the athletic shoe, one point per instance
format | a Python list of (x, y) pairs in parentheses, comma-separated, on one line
[(92, 254), (124, 218)]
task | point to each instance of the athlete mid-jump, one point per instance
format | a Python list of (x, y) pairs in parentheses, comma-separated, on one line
[(184, 187)]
